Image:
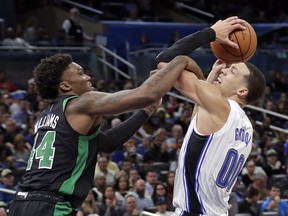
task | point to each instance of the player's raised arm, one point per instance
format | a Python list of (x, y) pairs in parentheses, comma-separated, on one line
[(217, 32)]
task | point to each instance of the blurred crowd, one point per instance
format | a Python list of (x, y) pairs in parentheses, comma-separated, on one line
[(29, 32), (32, 33), (140, 175), (257, 11)]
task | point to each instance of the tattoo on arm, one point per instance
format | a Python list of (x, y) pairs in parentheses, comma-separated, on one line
[(163, 72)]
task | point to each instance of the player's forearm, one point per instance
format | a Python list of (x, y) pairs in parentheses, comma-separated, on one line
[(163, 80), (187, 44), (114, 138)]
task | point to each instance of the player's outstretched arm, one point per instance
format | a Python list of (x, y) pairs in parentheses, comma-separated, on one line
[(98, 103), (219, 32), (115, 137)]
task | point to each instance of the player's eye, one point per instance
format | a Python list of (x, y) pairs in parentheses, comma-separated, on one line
[(233, 70)]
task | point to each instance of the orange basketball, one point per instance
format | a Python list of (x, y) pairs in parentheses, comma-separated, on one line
[(246, 40)]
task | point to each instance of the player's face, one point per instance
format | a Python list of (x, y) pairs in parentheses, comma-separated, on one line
[(232, 79), (77, 80)]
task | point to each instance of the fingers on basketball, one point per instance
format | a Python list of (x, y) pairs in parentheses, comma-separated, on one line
[(246, 40)]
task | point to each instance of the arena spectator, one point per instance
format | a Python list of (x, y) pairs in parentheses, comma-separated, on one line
[(131, 208), (160, 191), (41, 105), (143, 200), (158, 151), (74, 28), (11, 129), (130, 152), (21, 151), (249, 204), (233, 201), (173, 107), (171, 141), (6, 156), (267, 96), (249, 172), (126, 165), (99, 187), (121, 188), (274, 202), (161, 205), (260, 183), (273, 165), (265, 144), (144, 145), (22, 115), (31, 30), (133, 177), (109, 205), (111, 164), (5, 84), (103, 169), (185, 118), (266, 129), (12, 41), (151, 179), (31, 95), (89, 206), (169, 183), (7, 182), (161, 120), (10, 105)]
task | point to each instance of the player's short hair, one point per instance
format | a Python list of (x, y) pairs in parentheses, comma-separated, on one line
[(256, 83), (48, 74)]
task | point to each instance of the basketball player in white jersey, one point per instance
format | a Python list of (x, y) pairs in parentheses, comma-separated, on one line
[(219, 138)]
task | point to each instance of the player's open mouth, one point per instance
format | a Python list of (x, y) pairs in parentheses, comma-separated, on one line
[(218, 81)]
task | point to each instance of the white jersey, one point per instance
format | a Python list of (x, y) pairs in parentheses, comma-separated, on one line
[(209, 165)]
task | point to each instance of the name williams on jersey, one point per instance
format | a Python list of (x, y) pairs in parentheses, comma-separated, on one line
[(49, 120)]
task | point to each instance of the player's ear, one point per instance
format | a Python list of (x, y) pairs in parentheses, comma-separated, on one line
[(64, 86), (243, 92)]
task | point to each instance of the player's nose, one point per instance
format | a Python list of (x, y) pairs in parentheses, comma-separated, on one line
[(224, 71), (88, 77)]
